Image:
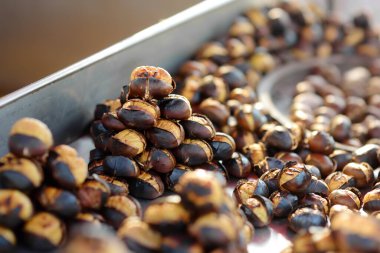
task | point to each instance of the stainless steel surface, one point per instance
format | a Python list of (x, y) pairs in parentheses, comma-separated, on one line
[(65, 100), (277, 89)]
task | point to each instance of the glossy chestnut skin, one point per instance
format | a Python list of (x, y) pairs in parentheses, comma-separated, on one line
[(246, 189), (139, 236), (136, 113), (118, 208), (367, 153), (243, 138), (325, 165), (43, 232), (172, 178), (19, 173), (160, 160), (15, 208), (93, 194), (283, 203), (341, 158), (108, 105), (120, 166), (127, 143), (345, 197), (117, 185), (29, 138), (111, 122), (175, 107), (339, 180), (147, 185), (193, 152), (371, 201), (317, 186), (148, 82), (294, 177), (238, 165), (305, 217), (259, 210), (232, 76), (167, 215), (213, 87), (270, 178), (279, 137), (268, 164), (315, 201), (288, 156), (166, 134), (223, 146), (198, 126), (62, 203), (362, 173), (340, 127), (321, 142), (215, 111)]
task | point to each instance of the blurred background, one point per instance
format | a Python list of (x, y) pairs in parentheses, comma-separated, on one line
[(40, 37)]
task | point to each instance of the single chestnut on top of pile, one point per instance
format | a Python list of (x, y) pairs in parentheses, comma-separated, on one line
[(148, 138)]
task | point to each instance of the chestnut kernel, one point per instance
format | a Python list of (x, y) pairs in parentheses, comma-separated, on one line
[(255, 152), (339, 180), (117, 185), (345, 197), (160, 160), (93, 194), (371, 201), (283, 203), (246, 189), (259, 210), (362, 173)]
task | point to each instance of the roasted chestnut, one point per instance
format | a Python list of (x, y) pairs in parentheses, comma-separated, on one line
[(111, 122), (118, 208), (258, 210), (127, 143), (362, 173), (243, 138), (89, 218), (43, 232), (345, 197), (283, 203), (321, 142), (93, 194), (367, 153), (288, 156), (147, 185), (213, 87), (29, 138), (268, 164), (232, 76), (193, 152), (120, 166), (305, 217), (338, 180), (172, 178), (175, 107), (216, 111), (167, 134), (180, 243), (325, 165), (317, 186), (238, 165), (117, 186), (255, 152), (341, 158), (139, 114), (340, 127), (371, 201), (8, 240), (218, 168), (198, 126), (279, 137), (294, 177), (246, 189), (108, 105), (315, 201), (160, 160), (15, 208), (223, 146), (270, 178)]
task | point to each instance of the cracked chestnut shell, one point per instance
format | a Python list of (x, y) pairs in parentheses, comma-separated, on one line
[(246, 189), (339, 180), (294, 177), (321, 142), (111, 122), (66, 168), (120, 166), (214, 230), (270, 178), (198, 126), (8, 240), (217, 112), (315, 201), (193, 152), (147, 185), (15, 208), (166, 134), (200, 191), (139, 114), (43, 232), (93, 194), (160, 160), (238, 165), (139, 236), (283, 203), (118, 208), (258, 210), (167, 215), (19, 173), (305, 217), (345, 197), (267, 164), (371, 201), (127, 143), (108, 105), (175, 107), (29, 138), (223, 146), (317, 186), (117, 185), (255, 152), (148, 82), (60, 202), (362, 173), (172, 178)]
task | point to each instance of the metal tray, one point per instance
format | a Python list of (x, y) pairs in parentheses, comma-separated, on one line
[(65, 100)]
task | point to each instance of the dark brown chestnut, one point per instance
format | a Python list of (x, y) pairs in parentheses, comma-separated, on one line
[(341, 158), (315, 201), (371, 201), (305, 217), (232, 76), (339, 180), (120, 166), (367, 153), (198, 126), (258, 210), (294, 177), (15, 208), (139, 114), (317, 186), (246, 189), (255, 152), (223, 146), (340, 127), (166, 134), (321, 142), (270, 178), (362, 173), (288, 156), (325, 165), (243, 138), (175, 107), (345, 197), (8, 240), (279, 137), (268, 164), (160, 160), (214, 87), (217, 112), (193, 152), (108, 105), (111, 122), (283, 203), (238, 165), (218, 168), (147, 185), (118, 208), (172, 178), (93, 194), (127, 143), (117, 185)]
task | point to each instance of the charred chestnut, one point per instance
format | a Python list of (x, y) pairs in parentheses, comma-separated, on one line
[(147, 185), (43, 232), (317, 186), (167, 215), (167, 134), (19, 173), (120, 166), (108, 105), (15, 208), (362, 173), (198, 126), (93, 194), (29, 138), (160, 160), (246, 189), (172, 178), (140, 114), (270, 178), (200, 191), (118, 208), (148, 82), (175, 107), (371, 201), (258, 210), (58, 201), (238, 165), (193, 152), (127, 143), (345, 197), (304, 218), (117, 186), (66, 168), (294, 177), (338, 180), (223, 146), (283, 203)]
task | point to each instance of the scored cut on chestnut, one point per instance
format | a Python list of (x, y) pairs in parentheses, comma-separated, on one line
[(136, 113), (258, 210), (160, 160), (246, 189), (166, 134), (305, 217), (198, 126), (193, 152), (238, 165), (120, 166), (175, 107), (223, 146), (128, 143), (294, 177), (147, 185)]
